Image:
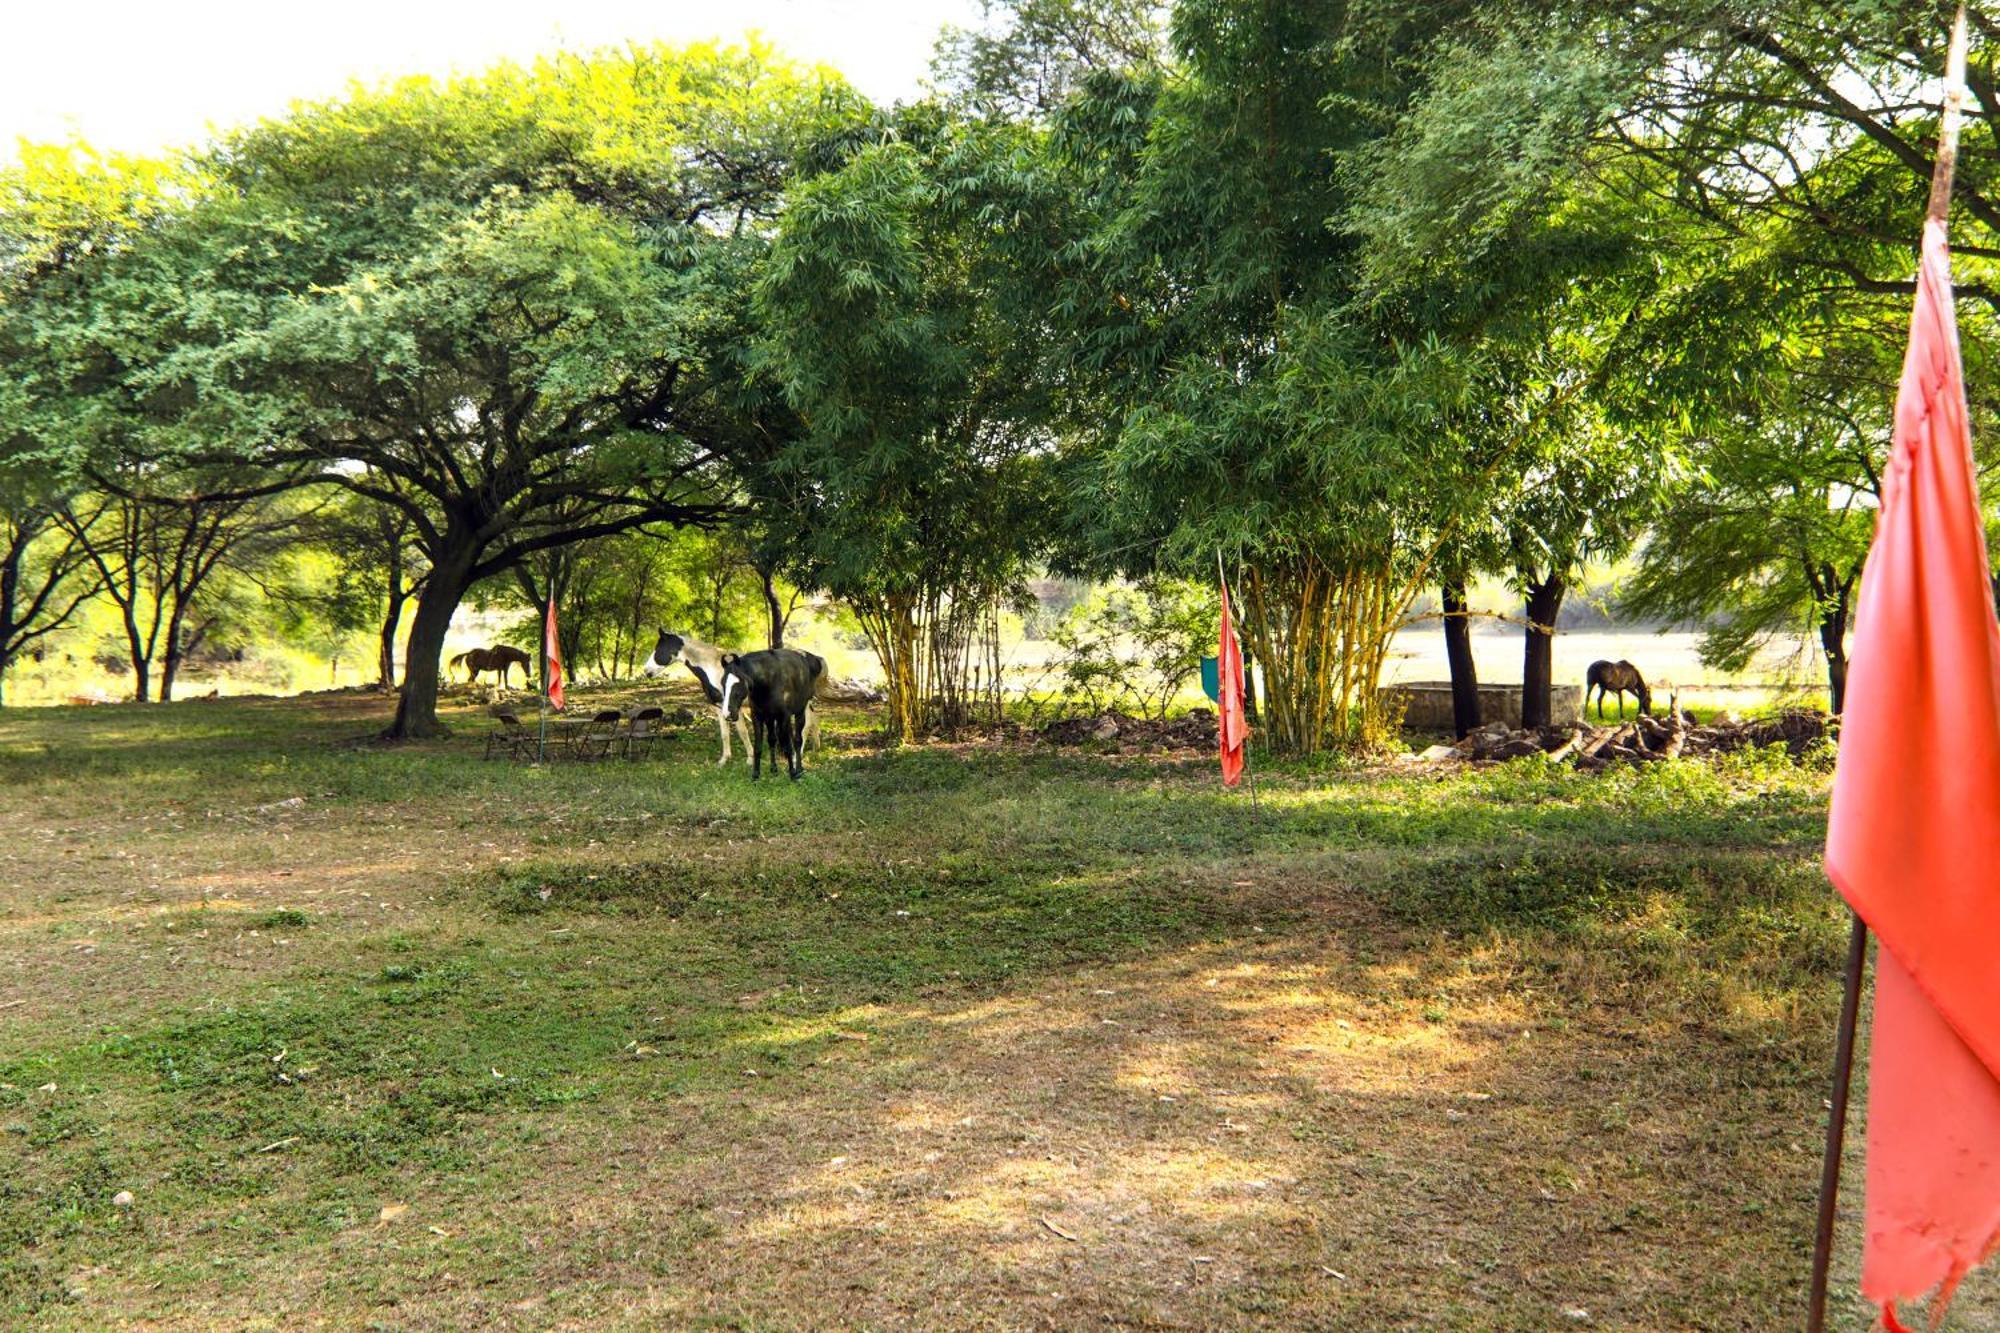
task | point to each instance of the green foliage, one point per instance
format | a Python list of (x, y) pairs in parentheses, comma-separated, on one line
[(618, 592), (1028, 56), (900, 303), (510, 307), (1135, 648)]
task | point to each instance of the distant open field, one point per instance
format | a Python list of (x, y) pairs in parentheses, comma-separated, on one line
[(1663, 657), (976, 1035)]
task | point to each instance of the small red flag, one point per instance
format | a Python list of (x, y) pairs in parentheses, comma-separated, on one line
[(554, 652), (1232, 728), (1913, 837)]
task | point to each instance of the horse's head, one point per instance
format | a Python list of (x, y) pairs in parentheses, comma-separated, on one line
[(1645, 696), (665, 652)]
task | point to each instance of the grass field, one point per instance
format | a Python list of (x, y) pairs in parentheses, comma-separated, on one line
[(955, 1036)]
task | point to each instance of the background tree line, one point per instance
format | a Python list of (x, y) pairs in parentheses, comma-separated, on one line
[(1359, 300)]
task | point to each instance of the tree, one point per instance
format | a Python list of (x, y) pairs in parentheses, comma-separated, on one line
[(901, 303), (377, 571), (1770, 536), (1251, 401), (511, 308), (59, 206), (155, 559), (45, 576), (1784, 153), (1028, 56)]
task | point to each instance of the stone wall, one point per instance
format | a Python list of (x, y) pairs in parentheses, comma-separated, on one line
[(1426, 704)]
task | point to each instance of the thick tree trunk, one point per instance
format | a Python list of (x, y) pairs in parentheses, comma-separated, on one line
[(1537, 663), (392, 619), (1833, 640), (10, 591), (385, 653), (176, 652), (1458, 654), (416, 710), (142, 662)]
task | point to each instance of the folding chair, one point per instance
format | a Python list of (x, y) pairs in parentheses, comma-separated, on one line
[(510, 740), (594, 739), (641, 732)]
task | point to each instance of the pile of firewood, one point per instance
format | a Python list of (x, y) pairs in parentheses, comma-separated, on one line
[(1641, 740)]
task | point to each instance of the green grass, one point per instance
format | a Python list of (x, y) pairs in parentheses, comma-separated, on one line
[(473, 988)]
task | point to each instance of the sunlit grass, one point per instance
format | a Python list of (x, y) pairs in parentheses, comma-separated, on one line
[(1004, 984)]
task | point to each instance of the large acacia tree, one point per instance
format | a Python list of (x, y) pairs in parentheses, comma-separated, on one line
[(61, 210), (511, 308)]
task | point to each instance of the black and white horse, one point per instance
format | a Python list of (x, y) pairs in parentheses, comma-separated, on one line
[(725, 693), (781, 683)]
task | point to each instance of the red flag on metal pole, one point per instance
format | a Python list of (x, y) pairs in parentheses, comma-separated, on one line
[(554, 652), (1233, 728), (1913, 837)]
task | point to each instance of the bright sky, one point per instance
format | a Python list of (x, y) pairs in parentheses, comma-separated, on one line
[(137, 75)]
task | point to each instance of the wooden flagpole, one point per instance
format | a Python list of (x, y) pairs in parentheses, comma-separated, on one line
[(1857, 939)]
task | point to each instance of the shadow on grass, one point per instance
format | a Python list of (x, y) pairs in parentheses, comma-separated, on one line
[(1075, 951)]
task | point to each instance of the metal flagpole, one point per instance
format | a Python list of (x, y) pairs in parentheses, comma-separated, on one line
[(1243, 683), (542, 732), (1857, 940), (1836, 1127)]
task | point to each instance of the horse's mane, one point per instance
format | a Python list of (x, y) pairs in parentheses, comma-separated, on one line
[(691, 646)]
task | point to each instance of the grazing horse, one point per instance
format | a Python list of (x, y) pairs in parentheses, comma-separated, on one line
[(1617, 677), (781, 683), (725, 694), (500, 659)]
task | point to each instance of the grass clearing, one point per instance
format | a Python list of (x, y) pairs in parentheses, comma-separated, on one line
[(960, 1035)]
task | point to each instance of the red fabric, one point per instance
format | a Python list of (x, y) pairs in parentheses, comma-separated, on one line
[(1234, 730), (1913, 838), (554, 652)]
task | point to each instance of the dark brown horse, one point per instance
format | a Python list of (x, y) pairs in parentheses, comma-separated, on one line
[(1617, 677), (500, 658)]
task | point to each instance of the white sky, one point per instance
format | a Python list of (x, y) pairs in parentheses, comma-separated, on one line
[(138, 75)]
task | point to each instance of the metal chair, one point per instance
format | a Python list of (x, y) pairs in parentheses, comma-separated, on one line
[(511, 740), (641, 732), (595, 738)]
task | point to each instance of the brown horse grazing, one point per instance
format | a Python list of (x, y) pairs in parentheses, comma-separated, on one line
[(500, 658), (1616, 677)]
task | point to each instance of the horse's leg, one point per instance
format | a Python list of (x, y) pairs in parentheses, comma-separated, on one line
[(1621, 704), (798, 729), (722, 725)]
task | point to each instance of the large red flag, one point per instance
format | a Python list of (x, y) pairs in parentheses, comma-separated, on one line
[(1233, 729), (1913, 840), (553, 650)]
